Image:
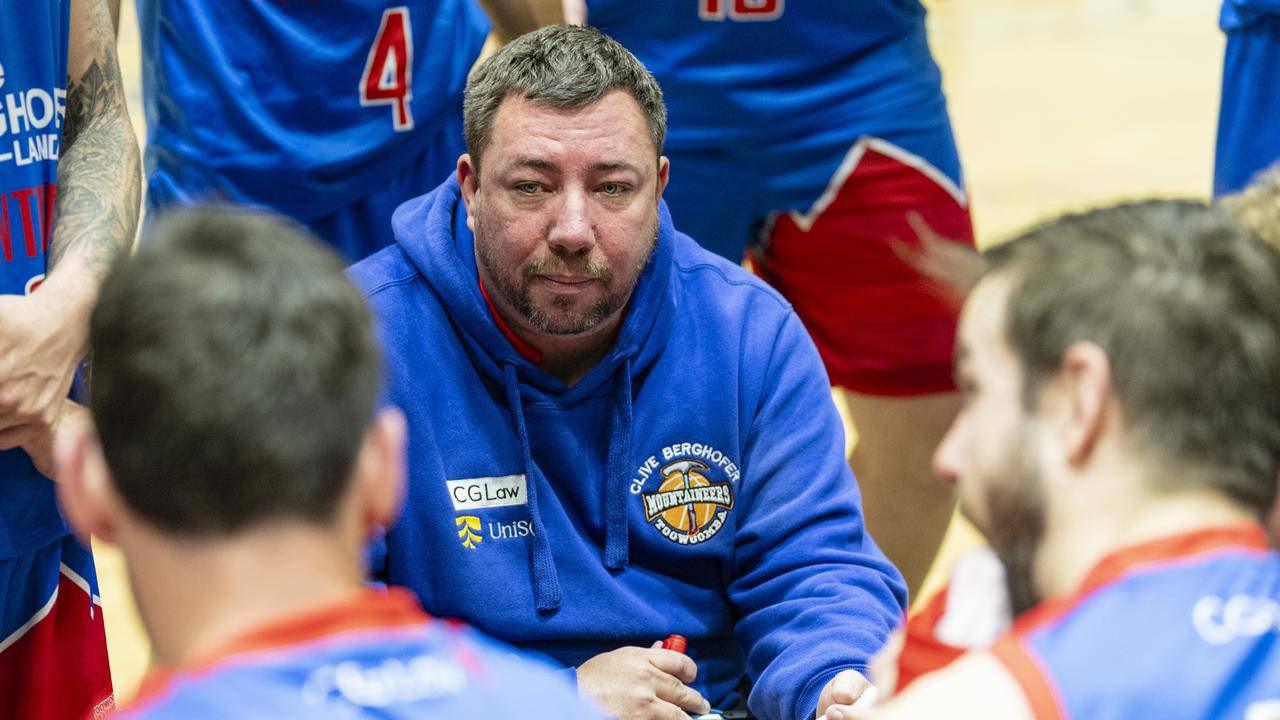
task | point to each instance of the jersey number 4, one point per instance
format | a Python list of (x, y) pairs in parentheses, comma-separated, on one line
[(388, 73), (741, 10)]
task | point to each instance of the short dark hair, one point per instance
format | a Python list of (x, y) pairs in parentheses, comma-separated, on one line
[(234, 374), (1186, 305), (563, 66)]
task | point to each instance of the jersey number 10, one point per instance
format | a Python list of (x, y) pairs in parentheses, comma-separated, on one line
[(388, 73), (741, 10)]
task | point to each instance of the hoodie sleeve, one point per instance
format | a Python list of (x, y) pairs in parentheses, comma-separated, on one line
[(814, 594)]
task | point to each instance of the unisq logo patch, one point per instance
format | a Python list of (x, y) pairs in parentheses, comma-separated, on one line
[(688, 508)]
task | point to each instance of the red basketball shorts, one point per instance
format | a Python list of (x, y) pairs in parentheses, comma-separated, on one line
[(53, 648), (881, 326)]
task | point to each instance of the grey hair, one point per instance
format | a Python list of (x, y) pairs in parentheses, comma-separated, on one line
[(563, 66)]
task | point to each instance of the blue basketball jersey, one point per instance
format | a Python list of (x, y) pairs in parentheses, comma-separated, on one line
[(304, 106), (736, 71), (1239, 13), (376, 656), (1182, 627), (1249, 114), (33, 95)]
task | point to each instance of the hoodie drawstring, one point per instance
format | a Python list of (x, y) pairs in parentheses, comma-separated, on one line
[(616, 551), (546, 586)]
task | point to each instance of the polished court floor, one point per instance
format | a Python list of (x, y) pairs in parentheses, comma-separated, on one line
[(1057, 104)]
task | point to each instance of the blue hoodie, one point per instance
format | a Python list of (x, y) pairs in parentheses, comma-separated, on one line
[(693, 482)]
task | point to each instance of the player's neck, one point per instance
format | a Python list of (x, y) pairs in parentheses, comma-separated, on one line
[(1078, 537), (195, 597), (571, 357)]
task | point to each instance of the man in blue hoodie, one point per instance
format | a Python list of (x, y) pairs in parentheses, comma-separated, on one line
[(615, 435)]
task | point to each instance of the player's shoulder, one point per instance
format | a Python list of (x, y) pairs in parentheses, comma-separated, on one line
[(1152, 601), (434, 669), (515, 681)]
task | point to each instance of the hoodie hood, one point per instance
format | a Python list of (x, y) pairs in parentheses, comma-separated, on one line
[(432, 231)]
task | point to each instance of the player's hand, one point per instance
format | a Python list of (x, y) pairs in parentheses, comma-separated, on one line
[(634, 683), (841, 693), (40, 345), (38, 439), (884, 665)]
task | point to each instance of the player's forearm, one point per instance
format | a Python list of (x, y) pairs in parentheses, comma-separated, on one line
[(113, 7), (99, 184), (513, 18)]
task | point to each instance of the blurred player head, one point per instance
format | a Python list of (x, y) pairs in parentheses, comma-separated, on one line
[(1257, 207), (233, 388), (563, 178), (1109, 359)]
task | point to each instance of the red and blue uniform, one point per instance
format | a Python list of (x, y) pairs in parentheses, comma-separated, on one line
[(1186, 626), (376, 655), (1249, 115), (52, 647), (809, 131), (332, 112)]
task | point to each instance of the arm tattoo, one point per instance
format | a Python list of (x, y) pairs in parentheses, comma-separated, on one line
[(98, 177)]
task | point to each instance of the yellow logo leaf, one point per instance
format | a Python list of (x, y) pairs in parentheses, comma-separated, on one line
[(469, 531)]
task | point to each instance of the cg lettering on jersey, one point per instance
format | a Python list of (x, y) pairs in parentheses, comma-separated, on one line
[(488, 492), (1219, 621)]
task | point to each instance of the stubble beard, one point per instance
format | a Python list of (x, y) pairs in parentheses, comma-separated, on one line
[(560, 318), (1015, 516)]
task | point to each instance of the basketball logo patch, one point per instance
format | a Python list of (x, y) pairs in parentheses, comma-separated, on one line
[(688, 508)]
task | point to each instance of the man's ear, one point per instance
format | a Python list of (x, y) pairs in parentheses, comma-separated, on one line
[(1084, 388), (380, 470), (469, 180), (664, 174), (86, 491)]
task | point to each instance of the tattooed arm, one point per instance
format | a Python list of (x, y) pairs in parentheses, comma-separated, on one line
[(98, 180), (44, 334), (113, 6)]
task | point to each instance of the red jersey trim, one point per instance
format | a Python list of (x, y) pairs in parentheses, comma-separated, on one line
[(369, 609), (527, 351), (922, 651), (1020, 660), (1042, 696), (1141, 557)]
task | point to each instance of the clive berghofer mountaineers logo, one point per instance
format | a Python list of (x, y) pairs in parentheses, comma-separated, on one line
[(687, 507)]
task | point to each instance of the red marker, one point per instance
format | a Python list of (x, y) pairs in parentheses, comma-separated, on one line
[(675, 642)]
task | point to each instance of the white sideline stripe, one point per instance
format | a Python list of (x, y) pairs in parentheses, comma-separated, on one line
[(81, 583), (806, 219), (40, 615), (43, 612)]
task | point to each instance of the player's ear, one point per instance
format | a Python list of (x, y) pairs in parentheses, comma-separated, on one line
[(1084, 387), (664, 172), (86, 492), (380, 470), (470, 182)]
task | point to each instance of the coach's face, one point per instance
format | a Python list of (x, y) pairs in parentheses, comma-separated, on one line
[(564, 207), (990, 450)]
